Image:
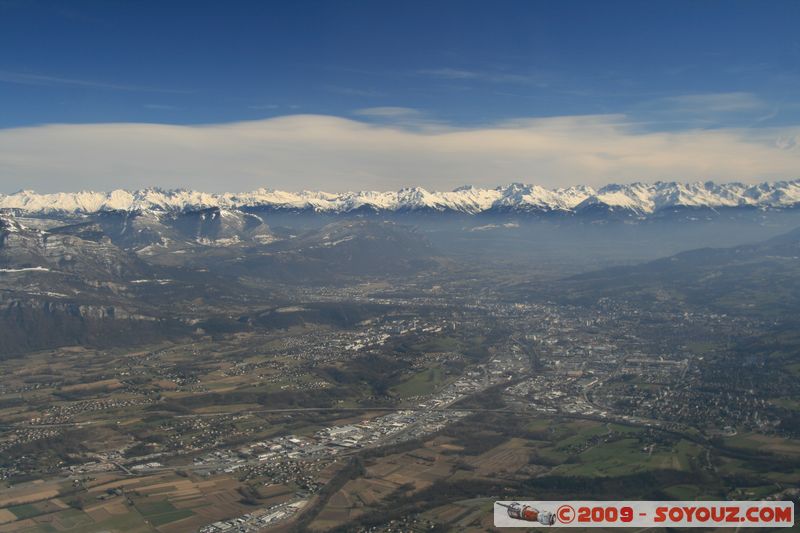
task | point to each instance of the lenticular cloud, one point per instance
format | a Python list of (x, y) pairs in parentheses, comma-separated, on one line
[(330, 153)]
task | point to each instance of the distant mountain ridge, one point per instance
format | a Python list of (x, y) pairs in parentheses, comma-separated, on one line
[(757, 279), (637, 199)]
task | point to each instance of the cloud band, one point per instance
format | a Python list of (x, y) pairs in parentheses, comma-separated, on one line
[(331, 153)]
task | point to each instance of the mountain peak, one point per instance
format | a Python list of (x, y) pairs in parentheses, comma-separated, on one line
[(636, 198)]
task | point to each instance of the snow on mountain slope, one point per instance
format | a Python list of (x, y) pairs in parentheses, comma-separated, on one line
[(521, 197), (637, 198)]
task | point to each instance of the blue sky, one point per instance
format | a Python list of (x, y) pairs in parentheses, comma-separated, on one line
[(659, 67)]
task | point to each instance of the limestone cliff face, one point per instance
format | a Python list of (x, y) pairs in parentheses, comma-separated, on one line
[(92, 255), (35, 324)]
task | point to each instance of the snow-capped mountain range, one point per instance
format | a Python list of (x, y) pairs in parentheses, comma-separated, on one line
[(636, 198)]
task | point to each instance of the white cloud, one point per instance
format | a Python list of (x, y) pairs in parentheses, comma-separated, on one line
[(736, 102), (449, 73), (387, 112), (26, 78), (324, 152), (501, 77)]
